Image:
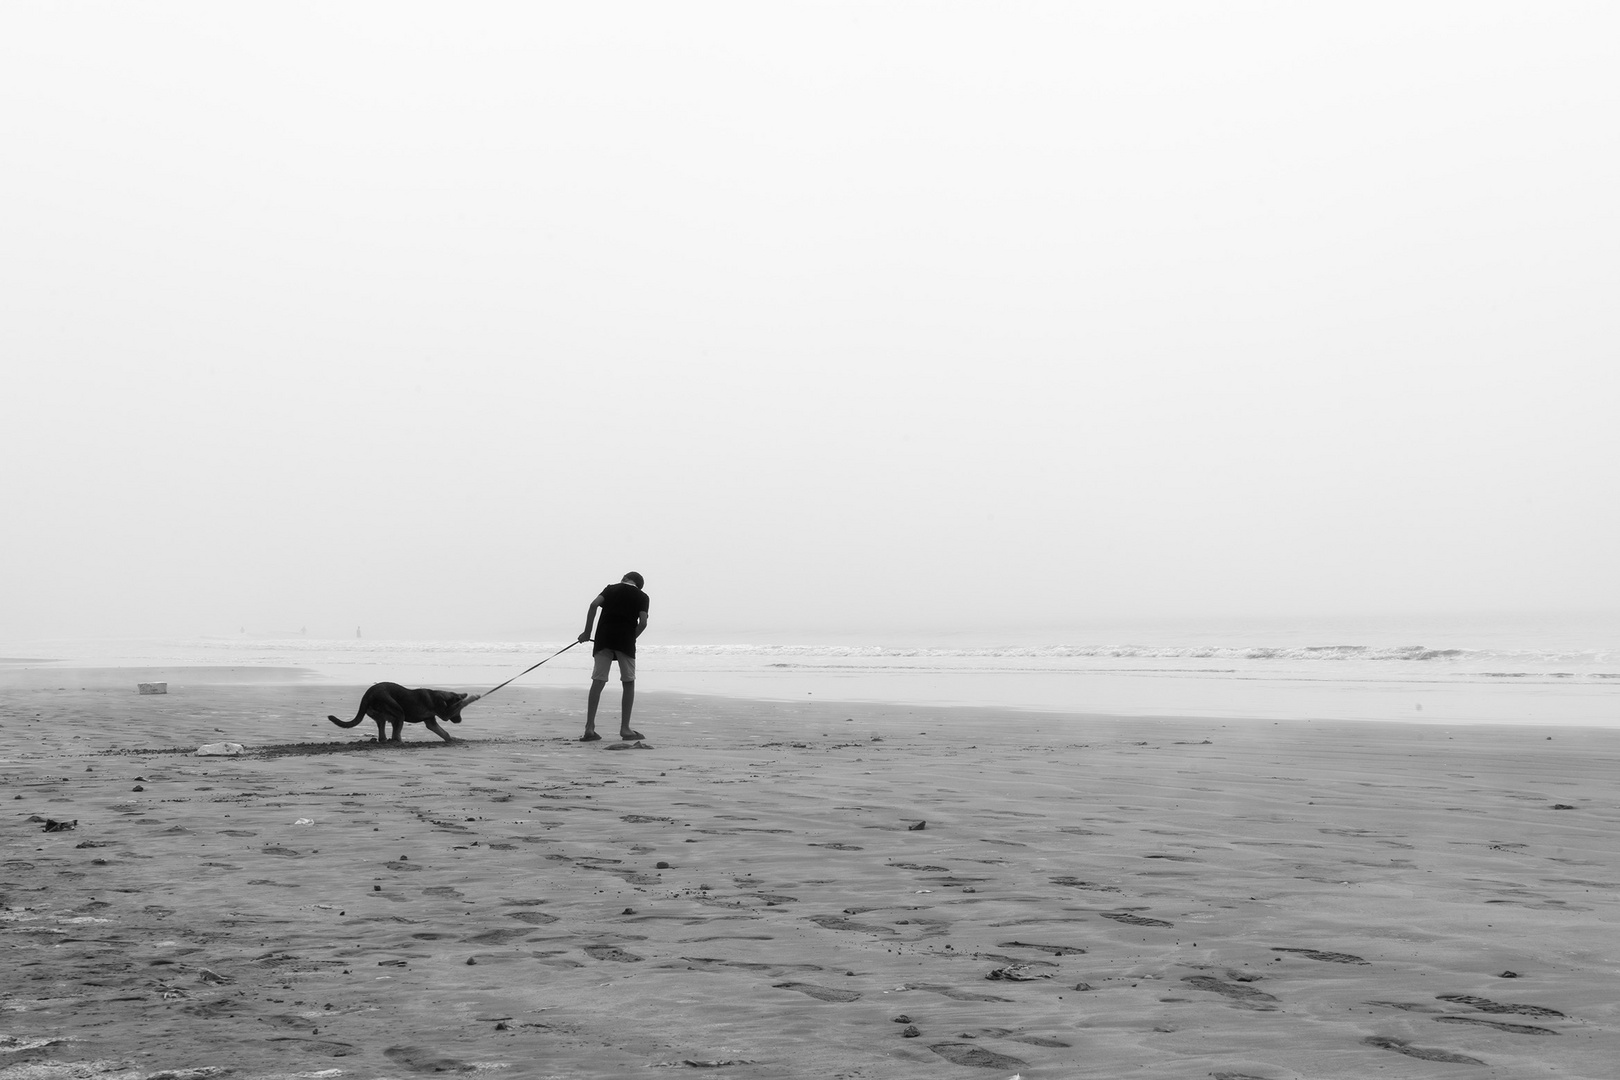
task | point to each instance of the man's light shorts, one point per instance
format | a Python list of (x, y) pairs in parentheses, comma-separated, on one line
[(627, 665)]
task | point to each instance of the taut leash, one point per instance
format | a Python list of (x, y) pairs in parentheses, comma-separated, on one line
[(526, 670)]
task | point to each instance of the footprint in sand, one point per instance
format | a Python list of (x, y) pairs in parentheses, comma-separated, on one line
[(421, 1059), (1325, 957), (1134, 920), (1516, 1029), (611, 952), (1013, 1036), (749, 965), (1055, 950), (976, 1056), (838, 922), (501, 936), (1241, 994), (954, 994), (1405, 1006), (820, 993), (533, 918), (1489, 1006), (1423, 1053)]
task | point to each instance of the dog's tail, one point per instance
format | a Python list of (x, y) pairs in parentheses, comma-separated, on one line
[(359, 716)]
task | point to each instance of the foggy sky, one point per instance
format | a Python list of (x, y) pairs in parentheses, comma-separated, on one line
[(847, 317)]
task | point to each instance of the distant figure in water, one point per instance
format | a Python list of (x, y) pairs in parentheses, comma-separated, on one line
[(357, 631), (624, 617)]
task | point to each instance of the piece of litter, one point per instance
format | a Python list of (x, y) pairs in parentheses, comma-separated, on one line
[(219, 749), (304, 821)]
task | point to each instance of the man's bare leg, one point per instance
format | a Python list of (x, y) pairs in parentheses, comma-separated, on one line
[(625, 731), (590, 710)]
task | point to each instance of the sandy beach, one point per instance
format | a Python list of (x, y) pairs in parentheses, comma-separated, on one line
[(784, 890)]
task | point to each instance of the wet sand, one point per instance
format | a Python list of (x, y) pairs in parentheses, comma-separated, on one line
[(780, 890)]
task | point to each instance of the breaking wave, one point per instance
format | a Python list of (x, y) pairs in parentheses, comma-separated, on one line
[(1290, 654)]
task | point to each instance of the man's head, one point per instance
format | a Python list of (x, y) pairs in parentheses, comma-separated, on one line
[(635, 579)]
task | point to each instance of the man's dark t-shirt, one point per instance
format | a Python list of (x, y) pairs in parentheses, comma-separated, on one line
[(616, 626)]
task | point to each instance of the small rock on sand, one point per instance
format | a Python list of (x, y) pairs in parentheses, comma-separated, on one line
[(219, 749)]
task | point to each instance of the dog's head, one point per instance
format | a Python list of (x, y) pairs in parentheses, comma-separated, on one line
[(448, 704)]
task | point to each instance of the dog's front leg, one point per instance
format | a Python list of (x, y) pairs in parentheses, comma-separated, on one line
[(433, 726)]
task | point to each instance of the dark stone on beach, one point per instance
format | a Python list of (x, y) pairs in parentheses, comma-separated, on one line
[(1508, 975), (1562, 806), (902, 1019), (910, 1032), (60, 826), (137, 787), (917, 827), (1082, 986), (628, 911), (471, 962), (662, 866)]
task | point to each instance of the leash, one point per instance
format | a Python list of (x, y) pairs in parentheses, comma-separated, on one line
[(526, 670)]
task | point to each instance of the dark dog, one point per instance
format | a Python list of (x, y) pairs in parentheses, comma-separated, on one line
[(391, 703)]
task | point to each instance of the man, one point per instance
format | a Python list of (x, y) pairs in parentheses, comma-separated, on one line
[(624, 617)]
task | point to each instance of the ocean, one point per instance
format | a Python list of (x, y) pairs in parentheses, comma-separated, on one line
[(1541, 669)]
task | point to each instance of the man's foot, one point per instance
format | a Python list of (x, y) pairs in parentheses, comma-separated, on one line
[(589, 736), (627, 735)]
